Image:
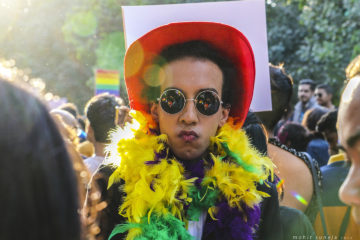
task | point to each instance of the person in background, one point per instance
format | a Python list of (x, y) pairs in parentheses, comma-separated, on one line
[(70, 123), (292, 167), (306, 99), (39, 195), (89, 195), (318, 147), (327, 127), (293, 221), (103, 116), (281, 92), (349, 133), (73, 110), (323, 95), (294, 135)]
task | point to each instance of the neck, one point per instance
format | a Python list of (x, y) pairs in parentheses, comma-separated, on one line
[(329, 106), (99, 149), (303, 104)]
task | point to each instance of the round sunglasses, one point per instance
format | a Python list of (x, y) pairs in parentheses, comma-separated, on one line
[(207, 102)]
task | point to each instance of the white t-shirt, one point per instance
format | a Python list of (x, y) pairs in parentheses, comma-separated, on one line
[(195, 228)]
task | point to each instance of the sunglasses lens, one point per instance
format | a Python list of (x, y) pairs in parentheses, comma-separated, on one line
[(172, 101), (207, 103)]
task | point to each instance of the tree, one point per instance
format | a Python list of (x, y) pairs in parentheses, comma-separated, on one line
[(64, 41)]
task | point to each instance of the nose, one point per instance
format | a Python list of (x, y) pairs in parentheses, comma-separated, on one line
[(349, 192), (189, 115)]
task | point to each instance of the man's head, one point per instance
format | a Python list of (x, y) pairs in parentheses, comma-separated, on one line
[(186, 74), (192, 70), (306, 90), (349, 133), (101, 113), (281, 91), (323, 95), (327, 127)]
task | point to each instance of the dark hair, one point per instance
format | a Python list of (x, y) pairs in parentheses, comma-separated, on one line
[(39, 197), (71, 108), (326, 88), (255, 131), (312, 116), (100, 110), (308, 82), (294, 135), (327, 122), (281, 91), (199, 50)]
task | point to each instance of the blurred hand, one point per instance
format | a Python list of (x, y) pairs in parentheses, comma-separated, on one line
[(123, 116)]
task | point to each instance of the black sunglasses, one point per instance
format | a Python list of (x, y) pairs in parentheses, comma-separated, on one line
[(173, 101), (318, 95)]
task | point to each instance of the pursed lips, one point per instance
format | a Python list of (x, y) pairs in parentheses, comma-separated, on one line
[(188, 136)]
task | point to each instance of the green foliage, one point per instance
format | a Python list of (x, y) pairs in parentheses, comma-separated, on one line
[(83, 24), (325, 38)]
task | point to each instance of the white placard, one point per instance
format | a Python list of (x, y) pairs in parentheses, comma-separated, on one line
[(248, 16)]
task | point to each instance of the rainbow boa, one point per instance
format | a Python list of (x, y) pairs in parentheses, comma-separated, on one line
[(163, 194)]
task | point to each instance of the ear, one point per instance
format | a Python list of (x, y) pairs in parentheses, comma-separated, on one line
[(154, 112), (224, 115)]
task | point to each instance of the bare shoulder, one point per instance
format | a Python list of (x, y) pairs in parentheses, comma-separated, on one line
[(298, 180)]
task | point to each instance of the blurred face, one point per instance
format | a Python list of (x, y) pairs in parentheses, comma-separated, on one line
[(189, 131), (349, 132), (304, 93), (322, 97)]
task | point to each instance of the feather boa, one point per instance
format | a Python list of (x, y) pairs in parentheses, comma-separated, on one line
[(155, 184)]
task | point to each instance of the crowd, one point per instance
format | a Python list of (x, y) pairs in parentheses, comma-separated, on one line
[(190, 160)]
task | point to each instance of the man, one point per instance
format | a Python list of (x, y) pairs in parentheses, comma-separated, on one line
[(349, 133), (101, 114), (323, 95), (306, 99), (186, 169)]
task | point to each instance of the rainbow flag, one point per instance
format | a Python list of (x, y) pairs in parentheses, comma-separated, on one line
[(107, 81)]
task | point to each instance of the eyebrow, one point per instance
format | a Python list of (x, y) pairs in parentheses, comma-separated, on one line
[(210, 89), (351, 141), (202, 89)]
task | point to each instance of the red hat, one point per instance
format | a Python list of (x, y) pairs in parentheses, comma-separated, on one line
[(227, 40)]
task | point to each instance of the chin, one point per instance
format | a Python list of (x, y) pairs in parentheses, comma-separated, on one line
[(188, 155)]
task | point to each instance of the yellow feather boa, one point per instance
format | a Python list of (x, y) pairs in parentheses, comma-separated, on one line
[(162, 188)]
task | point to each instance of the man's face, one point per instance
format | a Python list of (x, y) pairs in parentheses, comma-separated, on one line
[(349, 132), (304, 93), (189, 131), (322, 97)]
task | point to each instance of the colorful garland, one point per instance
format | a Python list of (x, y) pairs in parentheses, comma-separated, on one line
[(160, 200)]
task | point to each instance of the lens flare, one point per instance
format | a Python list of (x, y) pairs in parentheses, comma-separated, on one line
[(299, 198), (135, 59)]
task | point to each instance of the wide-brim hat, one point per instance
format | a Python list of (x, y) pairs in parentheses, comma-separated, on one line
[(229, 41)]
